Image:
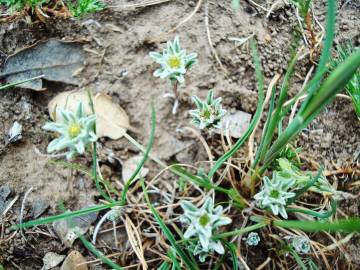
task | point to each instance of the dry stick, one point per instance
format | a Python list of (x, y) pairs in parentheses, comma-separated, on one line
[(22, 211), (210, 41), (257, 5), (264, 264), (196, 9), (143, 4), (272, 7)]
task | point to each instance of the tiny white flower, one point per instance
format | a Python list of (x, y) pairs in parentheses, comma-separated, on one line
[(274, 194), (202, 222), (115, 213), (208, 113), (214, 246), (76, 132), (174, 61), (301, 244), (253, 239)]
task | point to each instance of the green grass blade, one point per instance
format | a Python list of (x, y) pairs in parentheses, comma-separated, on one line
[(255, 119), (239, 231), (164, 266), (297, 259), (310, 183), (344, 225), (234, 255), (51, 219), (190, 263), (266, 129), (172, 256), (6, 86), (323, 215), (276, 117), (205, 183), (325, 54), (98, 254), (145, 157), (325, 94), (94, 156)]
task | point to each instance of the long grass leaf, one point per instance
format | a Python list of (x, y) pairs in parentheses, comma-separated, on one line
[(255, 119), (145, 157), (326, 93), (6, 86), (99, 254), (51, 219), (183, 255), (325, 54), (347, 225), (234, 255)]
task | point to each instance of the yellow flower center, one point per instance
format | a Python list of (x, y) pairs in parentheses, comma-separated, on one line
[(174, 62), (74, 130), (204, 220), (206, 114)]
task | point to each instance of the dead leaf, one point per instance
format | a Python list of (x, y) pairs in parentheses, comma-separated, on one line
[(111, 120), (130, 165), (57, 60), (74, 261), (51, 260), (135, 241)]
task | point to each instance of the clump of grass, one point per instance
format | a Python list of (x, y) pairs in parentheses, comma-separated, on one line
[(343, 51), (76, 8), (82, 7), (18, 5)]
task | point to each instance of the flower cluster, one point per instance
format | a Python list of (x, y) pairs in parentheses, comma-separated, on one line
[(76, 132), (201, 223), (208, 113), (253, 239), (274, 194), (174, 61)]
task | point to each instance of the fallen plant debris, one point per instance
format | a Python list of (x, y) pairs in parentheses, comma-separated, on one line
[(53, 60)]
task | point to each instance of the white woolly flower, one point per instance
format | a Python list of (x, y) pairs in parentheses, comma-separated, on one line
[(174, 61), (301, 244), (274, 194), (201, 223), (208, 113), (76, 132), (253, 239), (214, 246)]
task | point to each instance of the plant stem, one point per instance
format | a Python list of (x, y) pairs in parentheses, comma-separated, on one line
[(3, 87), (240, 231)]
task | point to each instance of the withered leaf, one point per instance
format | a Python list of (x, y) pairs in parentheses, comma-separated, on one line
[(58, 61)]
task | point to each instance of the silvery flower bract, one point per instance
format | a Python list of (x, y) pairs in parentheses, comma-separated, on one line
[(209, 113), (301, 244), (76, 132), (201, 223), (289, 171), (253, 239), (174, 61), (214, 246), (274, 194)]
